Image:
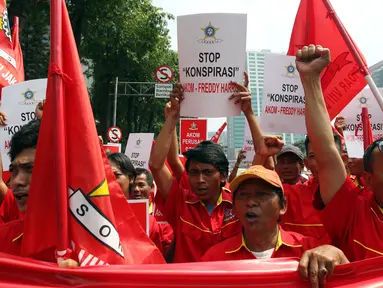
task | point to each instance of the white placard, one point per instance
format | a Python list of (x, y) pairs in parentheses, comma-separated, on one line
[(138, 149), (212, 52), (163, 90), (19, 103), (352, 114), (283, 108)]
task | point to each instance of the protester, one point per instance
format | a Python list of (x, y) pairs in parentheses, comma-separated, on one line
[(354, 223), (240, 158), (259, 204), (143, 189), (290, 164), (202, 215), (126, 175)]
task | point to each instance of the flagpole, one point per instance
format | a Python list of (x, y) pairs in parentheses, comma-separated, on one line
[(58, 113), (364, 69)]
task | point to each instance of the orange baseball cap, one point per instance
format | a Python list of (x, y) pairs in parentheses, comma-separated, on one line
[(257, 172)]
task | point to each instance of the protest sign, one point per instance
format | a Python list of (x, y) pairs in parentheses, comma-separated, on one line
[(352, 114), (248, 145), (140, 208), (212, 53), (192, 132), (283, 108), (19, 103), (138, 149), (112, 147)]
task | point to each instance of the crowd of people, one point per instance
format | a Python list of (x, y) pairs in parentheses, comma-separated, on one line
[(269, 211)]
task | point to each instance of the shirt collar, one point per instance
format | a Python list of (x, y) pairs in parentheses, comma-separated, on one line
[(224, 196), (284, 238)]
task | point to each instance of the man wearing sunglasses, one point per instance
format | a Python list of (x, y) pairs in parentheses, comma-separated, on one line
[(355, 224)]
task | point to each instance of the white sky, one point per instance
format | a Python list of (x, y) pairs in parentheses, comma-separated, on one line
[(269, 23)]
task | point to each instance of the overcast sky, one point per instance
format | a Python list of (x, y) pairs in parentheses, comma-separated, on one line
[(269, 23)]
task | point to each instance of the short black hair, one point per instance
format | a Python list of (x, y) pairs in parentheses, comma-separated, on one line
[(337, 140), (25, 138), (208, 152), (149, 176), (123, 162), (368, 157)]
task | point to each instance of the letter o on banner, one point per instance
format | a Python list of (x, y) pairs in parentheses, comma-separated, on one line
[(105, 231)]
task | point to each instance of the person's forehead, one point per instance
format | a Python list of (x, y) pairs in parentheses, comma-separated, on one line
[(141, 177), (194, 164), (25, 156)]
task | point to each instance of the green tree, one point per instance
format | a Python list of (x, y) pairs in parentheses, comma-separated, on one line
[(301, 145)]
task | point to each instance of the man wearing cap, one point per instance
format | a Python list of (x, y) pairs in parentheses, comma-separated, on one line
[(290, 164), (259, 204)]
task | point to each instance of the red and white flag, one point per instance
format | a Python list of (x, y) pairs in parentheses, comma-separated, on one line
[(218, 134), (76, 207)]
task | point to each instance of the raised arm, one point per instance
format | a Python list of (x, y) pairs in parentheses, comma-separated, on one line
[(173, 159), (311, 61), (161, 173), (234, 172)]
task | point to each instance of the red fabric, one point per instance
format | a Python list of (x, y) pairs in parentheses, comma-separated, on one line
[(293, 245), (23, 273), (11, 57), (217, 135), (74, 191), (166, 234), (354, 223), (367, 131), (301, 217), (195, 231), (8, 209), (8, 233), (343, 78), (155, 233)]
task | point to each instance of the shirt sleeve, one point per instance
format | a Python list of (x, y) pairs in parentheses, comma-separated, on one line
[(171, 206), (338, 215), (154, 233)]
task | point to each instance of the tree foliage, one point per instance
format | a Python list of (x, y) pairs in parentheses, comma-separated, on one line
[(116, 38)]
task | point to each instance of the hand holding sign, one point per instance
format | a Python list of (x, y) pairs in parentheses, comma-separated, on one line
[(3, 119), (176, 97), (39, 109), (311, 60), (242, 95)]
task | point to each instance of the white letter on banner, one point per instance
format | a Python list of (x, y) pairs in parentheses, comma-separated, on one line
[(96, 223)]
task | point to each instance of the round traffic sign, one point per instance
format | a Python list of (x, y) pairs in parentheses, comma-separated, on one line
[(114, 134), (164, 74)]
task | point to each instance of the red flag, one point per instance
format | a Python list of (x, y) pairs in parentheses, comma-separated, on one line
[(367, 131), (11, 56), (74, 201), (317, 23), (215, 138)]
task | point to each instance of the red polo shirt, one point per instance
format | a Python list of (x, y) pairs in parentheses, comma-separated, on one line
[(354, 223), (10, 237), (195, 231), (289, 244), (155, 233), (8, 209), (301, 217)]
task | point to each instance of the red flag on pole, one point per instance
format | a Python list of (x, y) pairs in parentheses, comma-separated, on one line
[(218, 134), (317, 23), (11, 56), (75, 207)]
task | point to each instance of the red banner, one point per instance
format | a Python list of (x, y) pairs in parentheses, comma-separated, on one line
[(22, 272), (192, 132), (112, 147), (140, 209)]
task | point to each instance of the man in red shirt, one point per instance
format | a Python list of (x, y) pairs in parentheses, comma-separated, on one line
[(201, 216), (259, 204), (354, 223), (289, 164)]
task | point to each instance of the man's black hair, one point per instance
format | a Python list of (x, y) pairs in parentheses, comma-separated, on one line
[(149, 176), (124, 164), (337, 140), (25, 138), (208, 152), (368, 157)]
